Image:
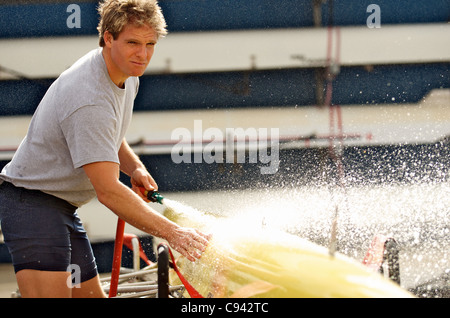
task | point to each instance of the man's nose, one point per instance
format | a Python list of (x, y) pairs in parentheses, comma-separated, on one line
[(142, 51)]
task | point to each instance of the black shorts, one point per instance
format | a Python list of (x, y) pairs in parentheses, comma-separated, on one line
[(43, 232)]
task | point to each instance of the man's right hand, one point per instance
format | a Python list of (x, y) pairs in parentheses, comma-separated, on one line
[(189, 242)]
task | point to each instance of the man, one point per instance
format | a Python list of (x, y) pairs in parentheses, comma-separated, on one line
[(74, 150)]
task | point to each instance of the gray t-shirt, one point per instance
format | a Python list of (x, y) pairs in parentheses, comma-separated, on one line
[(81, 119)]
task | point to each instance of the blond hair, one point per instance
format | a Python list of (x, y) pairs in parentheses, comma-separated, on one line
[(115, 14)]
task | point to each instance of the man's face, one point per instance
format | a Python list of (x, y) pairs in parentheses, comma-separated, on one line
[(131, 51)]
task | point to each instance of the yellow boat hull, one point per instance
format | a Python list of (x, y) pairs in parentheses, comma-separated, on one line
[(253, 261)]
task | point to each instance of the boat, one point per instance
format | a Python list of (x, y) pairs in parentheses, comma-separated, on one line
[(245, 259)]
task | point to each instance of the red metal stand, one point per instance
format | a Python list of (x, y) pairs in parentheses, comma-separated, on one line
[(117, 258)]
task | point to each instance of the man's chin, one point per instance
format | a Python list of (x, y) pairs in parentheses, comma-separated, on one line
[(137, 73)]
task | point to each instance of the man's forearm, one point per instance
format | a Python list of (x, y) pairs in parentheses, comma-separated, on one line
[(124, 202), (129, 161), (131, 165), (130, 207), (134, 211)]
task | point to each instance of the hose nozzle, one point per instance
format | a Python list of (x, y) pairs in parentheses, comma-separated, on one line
[(152, 195)]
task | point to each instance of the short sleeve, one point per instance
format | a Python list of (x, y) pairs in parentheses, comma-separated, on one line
[(90, 135)]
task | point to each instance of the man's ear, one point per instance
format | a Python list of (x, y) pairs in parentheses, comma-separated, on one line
[(108, 38)]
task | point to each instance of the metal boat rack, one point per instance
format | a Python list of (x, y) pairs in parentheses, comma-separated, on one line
[(151, 281)]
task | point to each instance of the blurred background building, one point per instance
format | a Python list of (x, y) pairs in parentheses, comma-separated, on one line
[(253, 63)]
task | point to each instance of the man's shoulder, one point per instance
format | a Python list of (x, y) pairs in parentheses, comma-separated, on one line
[(84, 82), (84, 68)]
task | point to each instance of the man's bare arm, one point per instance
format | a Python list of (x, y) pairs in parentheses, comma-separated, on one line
[(131, 165), (128, 206)]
